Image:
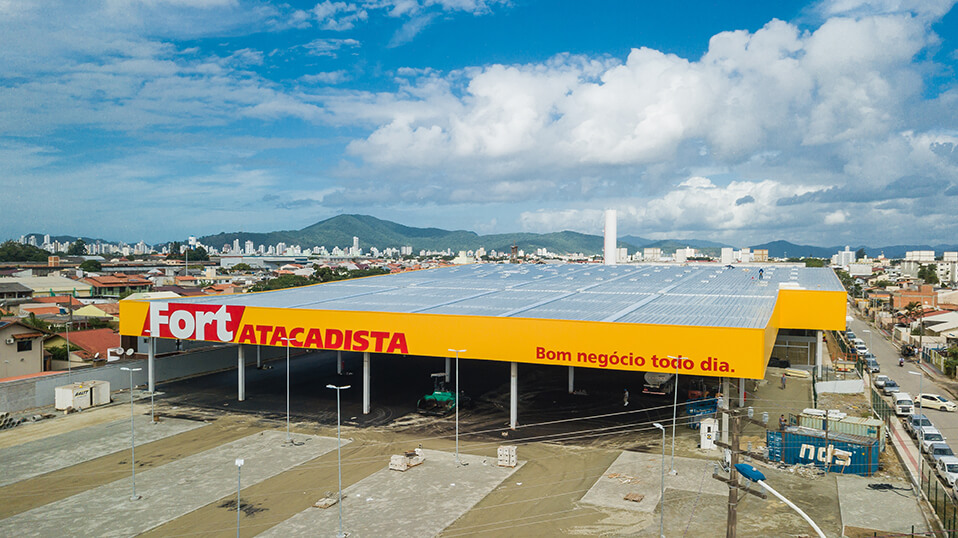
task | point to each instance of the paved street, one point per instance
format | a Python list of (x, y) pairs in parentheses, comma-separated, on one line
[(908, 377)]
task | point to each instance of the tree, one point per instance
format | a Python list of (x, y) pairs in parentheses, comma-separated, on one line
[(282, 282), (91, 266), (78, 248), (245, 267), (33, 321), (11, 251), (814, 262), (929, 274), (860, 253), (882, 284)]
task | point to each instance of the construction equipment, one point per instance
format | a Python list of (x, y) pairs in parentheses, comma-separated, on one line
[(442, 401)]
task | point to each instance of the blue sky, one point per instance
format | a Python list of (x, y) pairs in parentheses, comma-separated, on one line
[(823, 123)]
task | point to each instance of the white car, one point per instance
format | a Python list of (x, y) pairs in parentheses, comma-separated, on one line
[(935, 401), (879, 380), (947, 469), (927, 436)]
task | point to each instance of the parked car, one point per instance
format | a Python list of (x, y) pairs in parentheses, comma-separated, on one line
[(890, 387), (938, 450), (850, 335), (913, 422), (879, 381), (902, 403), (862, 349), (872, 365), (929, 435), (947, 469), (935, 401)]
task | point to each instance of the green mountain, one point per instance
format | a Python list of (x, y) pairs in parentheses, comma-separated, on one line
[(372, 232)]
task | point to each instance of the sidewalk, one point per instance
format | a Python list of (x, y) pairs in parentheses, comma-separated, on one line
[(908, 451)]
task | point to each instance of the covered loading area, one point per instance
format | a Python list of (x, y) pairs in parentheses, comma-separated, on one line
[(718, 321)]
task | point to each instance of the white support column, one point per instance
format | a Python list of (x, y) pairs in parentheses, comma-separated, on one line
[(728, 399), (366, 383), (259, 360), (151, 364), (448, 369), (571, 379), (514, 396), (741, 392), (818, 354), (240, 373), (339, 363)]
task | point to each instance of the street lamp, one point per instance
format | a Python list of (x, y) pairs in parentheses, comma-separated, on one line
[(662, 487), (753, 474), (869, 340), (675, 407), (134, 497), (152, 408), (289, 440), (457, 352), (239, 469), (339, 456)]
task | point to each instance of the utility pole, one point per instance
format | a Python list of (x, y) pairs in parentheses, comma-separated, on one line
[(736, 422)]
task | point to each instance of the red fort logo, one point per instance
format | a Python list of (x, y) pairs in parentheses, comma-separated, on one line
[(193, 321)]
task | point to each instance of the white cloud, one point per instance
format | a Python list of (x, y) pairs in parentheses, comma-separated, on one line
[(329, 46), (837, 217), (826, 105), (326, 77), (338, 16)]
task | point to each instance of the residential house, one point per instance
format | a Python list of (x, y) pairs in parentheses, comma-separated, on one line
[(108, 311), (925, 295), (93, 345), (117, 284), (181, 291), (64, 301), (14, 290), (21, 352), (52, 285), (223, 289), (39, 310)]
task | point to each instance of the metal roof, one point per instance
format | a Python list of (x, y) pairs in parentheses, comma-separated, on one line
[(691, 295)]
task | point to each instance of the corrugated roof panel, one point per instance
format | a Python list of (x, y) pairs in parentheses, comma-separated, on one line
[(698, 294)]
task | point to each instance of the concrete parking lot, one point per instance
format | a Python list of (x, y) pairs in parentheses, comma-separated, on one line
[(576, 452)]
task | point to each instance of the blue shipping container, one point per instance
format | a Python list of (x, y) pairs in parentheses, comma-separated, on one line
[(797, 444)]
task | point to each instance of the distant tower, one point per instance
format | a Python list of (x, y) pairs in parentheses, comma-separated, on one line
[(514, 254), (609, 251)]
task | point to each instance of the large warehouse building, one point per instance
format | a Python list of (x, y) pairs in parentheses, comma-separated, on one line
[(695, 319)]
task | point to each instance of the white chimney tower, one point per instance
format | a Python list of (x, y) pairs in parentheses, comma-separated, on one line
[(610, 251)]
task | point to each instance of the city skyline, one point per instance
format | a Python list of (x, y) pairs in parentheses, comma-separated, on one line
[(820, 122)]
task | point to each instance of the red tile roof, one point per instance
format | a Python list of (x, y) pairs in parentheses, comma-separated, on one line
[(40, 310), (58, 299), (94, 341), (113, 281)]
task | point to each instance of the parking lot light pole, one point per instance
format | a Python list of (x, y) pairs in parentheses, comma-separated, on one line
[(134, 497), (239, 470), (457, 352), (339, 456), (289, 440), (662, 487)]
